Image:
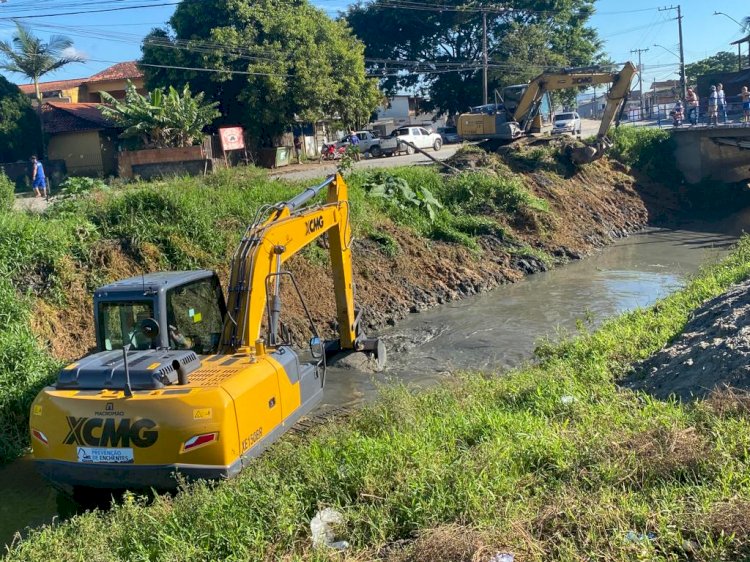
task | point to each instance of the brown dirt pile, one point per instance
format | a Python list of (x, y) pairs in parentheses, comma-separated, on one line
[(712, 352)]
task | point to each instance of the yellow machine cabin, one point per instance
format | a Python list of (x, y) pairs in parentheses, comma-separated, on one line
[(184, 382)]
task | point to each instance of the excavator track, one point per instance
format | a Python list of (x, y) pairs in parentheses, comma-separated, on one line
[(321, 417)]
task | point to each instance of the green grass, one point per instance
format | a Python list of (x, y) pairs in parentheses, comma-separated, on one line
[(552, 461), (470, 201), (648, 150)]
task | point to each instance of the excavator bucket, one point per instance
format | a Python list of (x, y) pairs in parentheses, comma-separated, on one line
[(588, 153), (583, 154)]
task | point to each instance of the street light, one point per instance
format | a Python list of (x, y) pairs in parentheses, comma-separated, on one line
[(670, 52), (730, 17), (739, 48)]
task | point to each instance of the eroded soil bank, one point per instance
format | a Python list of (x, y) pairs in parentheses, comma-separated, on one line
[(587, 211)]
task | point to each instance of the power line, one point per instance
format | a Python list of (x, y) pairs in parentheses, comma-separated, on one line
[(138, 7)]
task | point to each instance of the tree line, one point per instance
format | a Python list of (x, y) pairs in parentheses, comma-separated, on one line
[(267, 64)]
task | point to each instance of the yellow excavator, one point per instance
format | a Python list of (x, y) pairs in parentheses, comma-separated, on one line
[(518, 114), (186, 383)]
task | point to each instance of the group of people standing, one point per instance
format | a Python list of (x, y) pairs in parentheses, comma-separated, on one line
[(717, 105)]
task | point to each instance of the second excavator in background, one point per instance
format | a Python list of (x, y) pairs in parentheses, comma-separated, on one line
[(517, 115)]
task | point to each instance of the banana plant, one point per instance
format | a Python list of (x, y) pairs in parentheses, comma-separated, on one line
[(161, 119)]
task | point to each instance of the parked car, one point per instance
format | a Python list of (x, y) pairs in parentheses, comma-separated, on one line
[(569, 122), (449, 135), (419, 137)]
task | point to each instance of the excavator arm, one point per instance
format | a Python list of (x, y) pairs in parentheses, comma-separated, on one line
[(528, 105), (551, 81), (616, 97), (256, 266)]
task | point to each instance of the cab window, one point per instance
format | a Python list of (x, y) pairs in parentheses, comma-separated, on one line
[(195, 316), (119, 324)]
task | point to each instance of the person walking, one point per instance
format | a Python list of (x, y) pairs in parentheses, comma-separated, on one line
[(713, 107), (745, 96), (692, 104), (354, 139), (298, 148), (722, 101), (38, 180)]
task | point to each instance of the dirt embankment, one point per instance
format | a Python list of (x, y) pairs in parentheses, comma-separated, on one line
[(712, 353), (587, 210)]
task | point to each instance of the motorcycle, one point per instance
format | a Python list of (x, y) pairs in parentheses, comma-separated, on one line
[(331, 152), (678, 115)]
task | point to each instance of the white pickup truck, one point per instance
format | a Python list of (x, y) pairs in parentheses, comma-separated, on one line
[(418, 136)]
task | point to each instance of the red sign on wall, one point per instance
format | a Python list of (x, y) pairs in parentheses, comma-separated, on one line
[(231, 138)]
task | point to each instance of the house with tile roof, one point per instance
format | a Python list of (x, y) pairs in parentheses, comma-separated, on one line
[(80, 135), (88, 90)]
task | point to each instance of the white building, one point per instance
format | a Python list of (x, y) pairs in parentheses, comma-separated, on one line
[(405, 110)]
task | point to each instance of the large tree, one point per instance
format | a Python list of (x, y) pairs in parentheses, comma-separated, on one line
[(29, 56), (416, 45), (723, 61), (278, 61), (20, 135)]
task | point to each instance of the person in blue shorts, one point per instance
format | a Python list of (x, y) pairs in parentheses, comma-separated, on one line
[(38, 181), (745, 95)]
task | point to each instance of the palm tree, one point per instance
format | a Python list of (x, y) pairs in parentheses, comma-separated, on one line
[(30, 56)]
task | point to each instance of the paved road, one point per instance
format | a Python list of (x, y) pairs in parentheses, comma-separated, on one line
[(312, 171)]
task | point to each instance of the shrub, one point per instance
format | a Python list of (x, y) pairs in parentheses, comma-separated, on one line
[(470, 191), (398, 192), (650, 151), (7, 193), (77, 186)]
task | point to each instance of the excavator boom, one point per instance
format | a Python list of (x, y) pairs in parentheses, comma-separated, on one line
[(265, 247), (574, 78)]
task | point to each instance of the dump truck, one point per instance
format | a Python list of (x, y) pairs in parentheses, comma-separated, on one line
[(187, 384)]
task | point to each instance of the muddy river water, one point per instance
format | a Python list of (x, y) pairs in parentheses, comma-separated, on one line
[(492, 331)]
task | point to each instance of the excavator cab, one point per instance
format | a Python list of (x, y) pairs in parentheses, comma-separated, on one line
[(167, 310)]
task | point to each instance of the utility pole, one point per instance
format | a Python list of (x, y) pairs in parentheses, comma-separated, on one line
[(640, 78), (683, 81), (594, 104), (484, 56)]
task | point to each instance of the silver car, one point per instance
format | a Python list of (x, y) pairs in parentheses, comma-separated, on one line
[(569, 122)]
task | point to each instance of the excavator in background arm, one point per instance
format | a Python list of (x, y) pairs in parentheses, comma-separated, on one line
[(183, 385), (518, 115)]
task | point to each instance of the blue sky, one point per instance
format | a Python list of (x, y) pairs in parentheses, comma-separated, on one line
[(109, 37)]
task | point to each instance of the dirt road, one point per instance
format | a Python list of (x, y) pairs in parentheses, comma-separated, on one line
[(315, 170)]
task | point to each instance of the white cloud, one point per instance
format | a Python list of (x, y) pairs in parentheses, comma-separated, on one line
[(73, 52)]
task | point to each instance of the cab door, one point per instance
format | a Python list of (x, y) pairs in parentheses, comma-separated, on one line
[(426, 138)]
